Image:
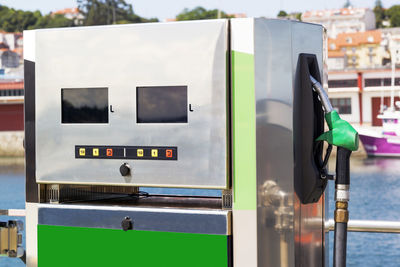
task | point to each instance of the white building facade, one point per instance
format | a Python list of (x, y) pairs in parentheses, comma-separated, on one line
[(358, 95), (344, 20)]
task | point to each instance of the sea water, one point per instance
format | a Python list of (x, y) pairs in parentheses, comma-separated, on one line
[(374, 195)]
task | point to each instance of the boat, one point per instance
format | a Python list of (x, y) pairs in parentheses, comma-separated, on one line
[(385, 141)]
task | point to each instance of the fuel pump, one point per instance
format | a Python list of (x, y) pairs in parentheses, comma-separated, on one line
[(342, 135)]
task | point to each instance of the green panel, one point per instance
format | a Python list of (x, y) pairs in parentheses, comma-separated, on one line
[(244, 132), (75, 246)]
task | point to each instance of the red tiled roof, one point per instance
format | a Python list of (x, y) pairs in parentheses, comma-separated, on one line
[(11, 85), (64, 11), (358, 38), (18, 50), (333, 12)]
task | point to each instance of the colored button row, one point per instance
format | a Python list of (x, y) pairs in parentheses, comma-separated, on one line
[(128, 152)]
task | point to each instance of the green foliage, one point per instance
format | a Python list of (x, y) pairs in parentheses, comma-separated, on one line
[(104, 12), (201, 13), (394, 15), (12, 20), (379, 13), (347, 4), (282, 14), (52, 21)]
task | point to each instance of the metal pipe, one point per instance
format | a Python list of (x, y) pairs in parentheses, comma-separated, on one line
[(322, 94), (339, 254), (367, 226)]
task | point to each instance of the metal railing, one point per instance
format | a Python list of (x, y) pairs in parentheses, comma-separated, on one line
[(367, 226)]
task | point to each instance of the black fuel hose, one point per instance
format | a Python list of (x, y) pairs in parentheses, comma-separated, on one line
[(341, 213)]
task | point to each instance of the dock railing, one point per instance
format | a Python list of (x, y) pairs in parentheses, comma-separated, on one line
[(367, 226)]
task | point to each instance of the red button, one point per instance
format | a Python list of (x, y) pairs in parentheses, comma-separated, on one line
[(168, 153), (109, 152)]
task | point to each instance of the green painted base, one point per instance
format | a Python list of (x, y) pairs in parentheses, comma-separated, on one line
[(74, 246)]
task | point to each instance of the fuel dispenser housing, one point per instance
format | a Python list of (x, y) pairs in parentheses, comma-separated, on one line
[(98, 125)]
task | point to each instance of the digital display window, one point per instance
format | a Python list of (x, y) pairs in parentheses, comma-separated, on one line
[(162, 104), (84, 105)]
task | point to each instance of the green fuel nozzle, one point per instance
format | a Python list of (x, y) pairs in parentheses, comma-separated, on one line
[(342, 135)]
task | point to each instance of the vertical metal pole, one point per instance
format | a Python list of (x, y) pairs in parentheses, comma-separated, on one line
[(360, 93), (382, 100), (392, 56)]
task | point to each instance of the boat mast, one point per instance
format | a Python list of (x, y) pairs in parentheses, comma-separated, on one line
[(392, 59), (382, 98)]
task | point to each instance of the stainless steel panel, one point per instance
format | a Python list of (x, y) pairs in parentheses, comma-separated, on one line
[(284, 238), (308, 38), (122, 58), (273, 83), (146, 219)]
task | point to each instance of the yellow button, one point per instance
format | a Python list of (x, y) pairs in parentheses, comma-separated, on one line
[(154, 153), (140, 152), (95, 151), (81, 152)]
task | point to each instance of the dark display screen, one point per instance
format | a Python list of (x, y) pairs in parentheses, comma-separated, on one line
[(84, 105), (162, 104)]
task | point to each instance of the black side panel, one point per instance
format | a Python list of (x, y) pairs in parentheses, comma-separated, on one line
[(308, 124), (30, 146), (230, 251)]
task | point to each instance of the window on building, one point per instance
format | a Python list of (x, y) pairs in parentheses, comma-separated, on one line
[(353, 49), (348, 40), (342, 105), (370, 50), (353, 60), (12, 92), (370, 59), (342, 83), (381, 82), (372, 82)]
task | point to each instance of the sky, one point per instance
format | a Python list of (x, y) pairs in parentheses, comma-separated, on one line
[(163, 9)]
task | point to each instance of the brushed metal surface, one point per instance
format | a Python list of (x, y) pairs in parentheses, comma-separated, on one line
[(284, 237), (308, 38), (146, 219), (122, 58), (370, 226)]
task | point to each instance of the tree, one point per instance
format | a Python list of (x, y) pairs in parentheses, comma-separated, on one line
[(282, 14), (347, 4), (12, 20), (200, 13), (379, 13), (52, 21), (104, 12), (394, 15)]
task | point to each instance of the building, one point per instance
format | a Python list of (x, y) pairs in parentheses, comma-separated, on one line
[(392, 41), (70, 13), (11, 105), (358, 50), (344, 20), (336, 60), (358, 94)]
